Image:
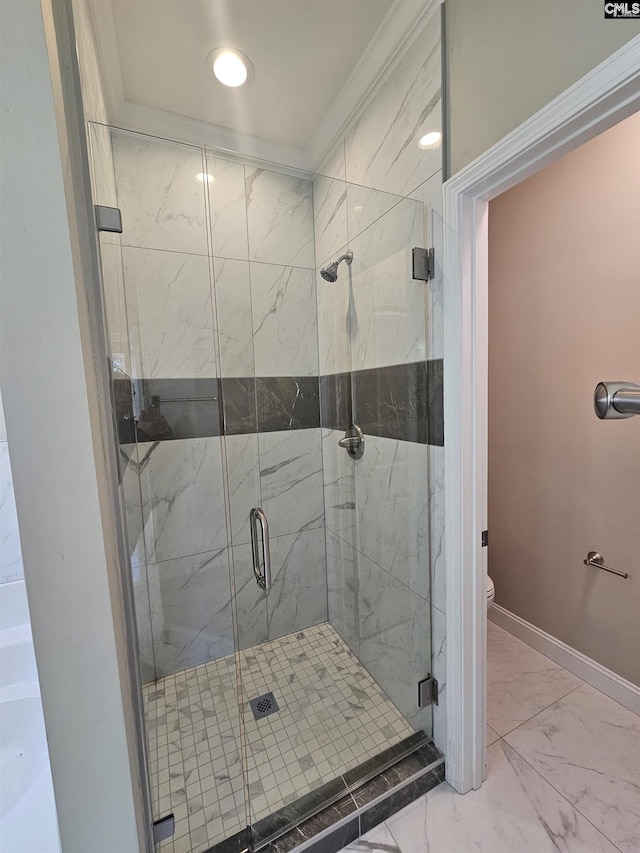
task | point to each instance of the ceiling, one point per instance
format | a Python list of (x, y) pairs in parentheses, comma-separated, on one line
[(314, 61)]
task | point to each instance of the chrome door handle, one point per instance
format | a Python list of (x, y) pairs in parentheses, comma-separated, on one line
[(263, 578), (594, 558)]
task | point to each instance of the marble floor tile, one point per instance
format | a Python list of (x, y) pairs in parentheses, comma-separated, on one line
[(492, 736), (520, 681), (379, 840), (588, 747), (515, 811)]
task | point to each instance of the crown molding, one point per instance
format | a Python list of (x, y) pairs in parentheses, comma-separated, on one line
[(400, 28)]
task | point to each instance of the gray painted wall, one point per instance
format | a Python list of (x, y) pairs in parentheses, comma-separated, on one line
[(67, 561), (508, 58)]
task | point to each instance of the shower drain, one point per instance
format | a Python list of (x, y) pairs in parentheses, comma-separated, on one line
[(264, 705)]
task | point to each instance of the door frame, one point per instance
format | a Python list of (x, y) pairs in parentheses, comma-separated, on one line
[(600, 99)]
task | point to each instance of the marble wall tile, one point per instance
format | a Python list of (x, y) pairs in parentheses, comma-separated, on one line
[(336, 401), (178, 408), (439, 671), (333, 165), (395, 641), (392, 510), (280, 218), (334, 312), (329, 217), (285, 336), (288, 403), (132, 499), (243, 471), (435, 402), (169, 313), (233, 312), (393, 401), (382, 147), (339, 472), (115, 303), (103, 179), (182, 497), (342, 590), (430, 193), (143, 624), (239, 405), (194, 597), (250, 602), (298, 595), (291, 480), (587, 747), (10, 550), (515, 809), (388, 313), (436, 527), (366, 205), (162, 202), (227, 207)]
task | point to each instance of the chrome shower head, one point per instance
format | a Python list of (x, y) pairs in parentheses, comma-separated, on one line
[(330, 272)]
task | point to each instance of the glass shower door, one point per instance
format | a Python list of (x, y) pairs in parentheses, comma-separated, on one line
[(330, 656), (158, 293)]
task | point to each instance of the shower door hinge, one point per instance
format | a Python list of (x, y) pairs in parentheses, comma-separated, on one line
[(427, 691), (163, 828), (108, 218), (424, 264), (485, 538)]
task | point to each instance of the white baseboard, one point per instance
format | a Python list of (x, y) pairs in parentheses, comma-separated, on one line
[(588, 670)]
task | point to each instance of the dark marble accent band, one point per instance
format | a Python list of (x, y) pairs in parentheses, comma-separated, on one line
[(391, 402), (435, 405), (365, 805), (387, 799), (402, 401), (288, 402), (239, 411), (336, 408), (177, 408)]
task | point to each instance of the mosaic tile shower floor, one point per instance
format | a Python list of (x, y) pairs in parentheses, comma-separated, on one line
[(332, 717)]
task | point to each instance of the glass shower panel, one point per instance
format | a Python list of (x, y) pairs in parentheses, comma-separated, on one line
[(160, 305), (390, 405)]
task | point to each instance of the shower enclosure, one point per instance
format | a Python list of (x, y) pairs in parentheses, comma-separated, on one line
[(243, 379), (237, 371)]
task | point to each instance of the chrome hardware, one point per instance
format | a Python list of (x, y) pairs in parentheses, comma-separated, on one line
[(616, 400), (330, 272), (424, 264), (428, 692), (108, 219), (595, 558), (353, 442), (263, 578)]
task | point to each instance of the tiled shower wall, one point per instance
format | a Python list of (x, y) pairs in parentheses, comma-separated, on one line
[(234, 254), (380, 195)]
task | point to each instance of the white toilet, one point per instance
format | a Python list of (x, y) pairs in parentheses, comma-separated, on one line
[(491, 592)]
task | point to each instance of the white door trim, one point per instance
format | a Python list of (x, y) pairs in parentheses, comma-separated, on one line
[(605, 96)]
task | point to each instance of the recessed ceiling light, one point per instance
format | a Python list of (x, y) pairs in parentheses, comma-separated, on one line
[(230, 67), (204, 176), (430, 140)]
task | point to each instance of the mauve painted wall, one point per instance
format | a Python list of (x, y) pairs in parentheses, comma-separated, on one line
[(564, 313)]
